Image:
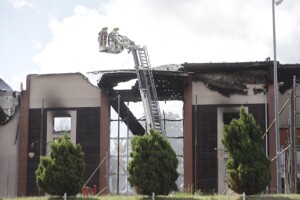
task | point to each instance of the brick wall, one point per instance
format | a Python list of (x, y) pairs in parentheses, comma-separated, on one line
[(87, 134), (206, 125)]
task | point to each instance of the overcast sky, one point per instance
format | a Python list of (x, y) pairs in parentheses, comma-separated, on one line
[(55, 36)]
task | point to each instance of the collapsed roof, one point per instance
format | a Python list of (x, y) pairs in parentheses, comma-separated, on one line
[(9, 101), (225, 78), (4, 86), (169, 80), (232, 78)]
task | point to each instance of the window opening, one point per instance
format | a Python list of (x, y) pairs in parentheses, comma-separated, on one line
[(173, 124), (62, 124), (229, 116)]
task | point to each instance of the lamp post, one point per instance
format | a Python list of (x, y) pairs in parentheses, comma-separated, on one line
[(278, 167), (31, 152)]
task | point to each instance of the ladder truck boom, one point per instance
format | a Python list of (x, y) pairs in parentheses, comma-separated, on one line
[(115, 43)]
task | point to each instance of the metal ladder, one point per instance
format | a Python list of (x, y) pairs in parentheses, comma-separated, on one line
[(147, 88), (144, 74)]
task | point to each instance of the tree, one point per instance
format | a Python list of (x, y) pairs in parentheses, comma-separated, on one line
[(62, 172), (153, 165), (248, 168)]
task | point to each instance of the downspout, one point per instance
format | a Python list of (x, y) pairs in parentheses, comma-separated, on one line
[(266, 122), (195, 150), (266, 129), (17, 142)]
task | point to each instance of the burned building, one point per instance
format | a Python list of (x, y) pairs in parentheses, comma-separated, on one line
[(51, 105), (213, 97), (9, 129), (209, 95), (212, 94)]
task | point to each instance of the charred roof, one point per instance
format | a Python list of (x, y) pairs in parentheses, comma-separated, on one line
[(4, 86), (227, 66), (227, 78), (169, 83), (219, 76)]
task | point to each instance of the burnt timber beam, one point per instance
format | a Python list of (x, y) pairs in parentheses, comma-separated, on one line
[(127, 117)]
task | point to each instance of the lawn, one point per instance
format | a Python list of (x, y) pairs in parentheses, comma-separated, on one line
[(177, 196), (181, 197)]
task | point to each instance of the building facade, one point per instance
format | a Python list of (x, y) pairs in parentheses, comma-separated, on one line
[(211, 95), (52, 105)]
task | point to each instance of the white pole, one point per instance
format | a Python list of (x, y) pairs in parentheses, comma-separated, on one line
[(65, 196), (118, 161), (279, 191), (42, 128), (294, 132), (107, 173)]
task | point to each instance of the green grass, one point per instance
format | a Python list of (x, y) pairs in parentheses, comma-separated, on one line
[(133, 197), (178, 196)]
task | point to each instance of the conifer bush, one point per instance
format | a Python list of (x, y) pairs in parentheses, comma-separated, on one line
[(61, 172), (153, 165), (248, 167)]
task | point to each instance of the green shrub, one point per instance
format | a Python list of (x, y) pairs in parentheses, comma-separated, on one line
[(153, 165), (248, 167), (63, 170)]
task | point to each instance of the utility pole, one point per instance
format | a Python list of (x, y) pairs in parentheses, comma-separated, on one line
[(278, 166)]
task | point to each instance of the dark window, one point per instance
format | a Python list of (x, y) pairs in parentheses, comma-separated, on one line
[(229, 116)]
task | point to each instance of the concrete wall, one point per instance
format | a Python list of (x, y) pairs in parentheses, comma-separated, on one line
[(63, 91), (207, 97), (9, 157)]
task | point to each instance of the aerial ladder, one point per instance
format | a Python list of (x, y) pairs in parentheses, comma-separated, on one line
[(115, 43)]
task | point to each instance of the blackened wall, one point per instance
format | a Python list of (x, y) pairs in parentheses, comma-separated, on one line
[(207, 163), (34, 133), (87, 134), (205, 126)]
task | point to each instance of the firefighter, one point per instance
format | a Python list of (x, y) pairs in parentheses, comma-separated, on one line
[(102, 37), (112, 38)]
